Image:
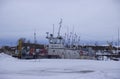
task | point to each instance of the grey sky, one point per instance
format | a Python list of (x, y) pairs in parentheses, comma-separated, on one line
[(92, 19)]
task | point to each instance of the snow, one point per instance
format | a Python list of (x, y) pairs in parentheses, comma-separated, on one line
[(12, 68)]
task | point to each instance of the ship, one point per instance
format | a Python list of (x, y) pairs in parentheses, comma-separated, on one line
[(59, 49)]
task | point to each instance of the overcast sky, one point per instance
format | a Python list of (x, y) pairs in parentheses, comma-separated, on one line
[(91, 19)]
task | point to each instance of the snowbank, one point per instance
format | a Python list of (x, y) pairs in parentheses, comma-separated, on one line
[(5, 57), (12, 68)]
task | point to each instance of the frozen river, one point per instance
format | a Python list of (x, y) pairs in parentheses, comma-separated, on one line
[(12, 68)]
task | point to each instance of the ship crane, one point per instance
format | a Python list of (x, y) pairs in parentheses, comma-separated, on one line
[(59, 28)]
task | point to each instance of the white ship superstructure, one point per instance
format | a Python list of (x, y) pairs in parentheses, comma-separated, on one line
[(57, 47)]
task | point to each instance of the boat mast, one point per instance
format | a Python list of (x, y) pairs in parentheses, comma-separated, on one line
[(53, 30), (118, 41), (35, 37)]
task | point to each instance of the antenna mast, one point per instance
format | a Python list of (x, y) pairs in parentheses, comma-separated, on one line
[(118, 41)]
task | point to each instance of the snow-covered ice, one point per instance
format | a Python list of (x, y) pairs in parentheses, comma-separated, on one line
[(12, 68)]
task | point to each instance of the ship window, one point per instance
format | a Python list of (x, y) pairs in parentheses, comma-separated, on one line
[(53, 50)]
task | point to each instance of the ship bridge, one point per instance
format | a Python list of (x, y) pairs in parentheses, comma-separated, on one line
[(55, 42)]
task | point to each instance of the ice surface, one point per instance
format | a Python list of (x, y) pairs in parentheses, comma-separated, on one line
[(12, 68)]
